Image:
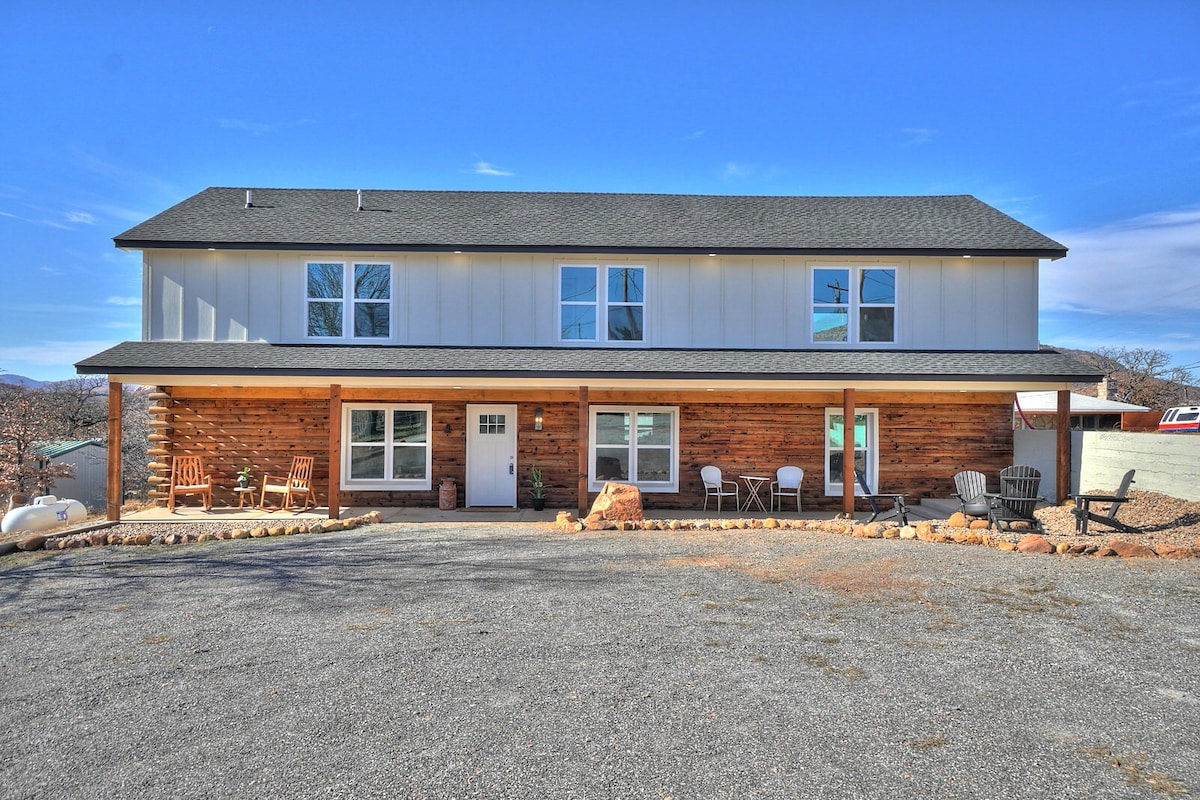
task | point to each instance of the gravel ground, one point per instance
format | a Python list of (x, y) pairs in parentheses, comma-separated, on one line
[(447, 661)]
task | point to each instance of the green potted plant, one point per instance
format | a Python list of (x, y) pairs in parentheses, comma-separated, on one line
[(537, 489), (243, 478)]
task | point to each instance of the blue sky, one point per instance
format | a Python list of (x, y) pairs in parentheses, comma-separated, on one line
[(1081, 119)]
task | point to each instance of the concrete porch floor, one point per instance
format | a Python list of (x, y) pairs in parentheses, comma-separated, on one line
[(192, 513)]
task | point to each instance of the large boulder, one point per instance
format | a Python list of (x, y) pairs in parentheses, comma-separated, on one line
[(617, 501)]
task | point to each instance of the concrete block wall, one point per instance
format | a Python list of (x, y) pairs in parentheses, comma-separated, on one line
[(1166, 463)]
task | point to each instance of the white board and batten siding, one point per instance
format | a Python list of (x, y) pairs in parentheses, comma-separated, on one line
[(489, 299)]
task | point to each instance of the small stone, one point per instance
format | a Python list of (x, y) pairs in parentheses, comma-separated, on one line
[(980, 525), (276, 530), (770, 522), (258, 533), (1176, 551), (205, 537), (1035, 544), (957, 520), (891, 533), (239, 533), (35, 542), (98, 538), (908, 532), (1006, 545), (330, 525), (1131, 549)]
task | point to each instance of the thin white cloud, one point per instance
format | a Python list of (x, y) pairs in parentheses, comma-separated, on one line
[(1143, 264), (259, 128), (1131, 283), (123, 301), (54, 352), (916, 136), (80, 218), (734, 170), (693, 136), (485, 168)]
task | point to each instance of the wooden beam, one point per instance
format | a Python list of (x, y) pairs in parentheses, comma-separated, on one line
[(582, 488), (848, 451), (1062, 455), (113, 489), (335, 451)]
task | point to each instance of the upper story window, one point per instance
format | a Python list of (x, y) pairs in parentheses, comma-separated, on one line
[(349, 301), (602, 304), (854, 305)]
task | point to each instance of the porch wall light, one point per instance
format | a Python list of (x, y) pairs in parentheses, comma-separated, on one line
[(538, 416)]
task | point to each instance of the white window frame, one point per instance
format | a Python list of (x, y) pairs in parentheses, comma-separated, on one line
[(350, 303), (603, 304), (386, 484), (853, 305), (671, 485), (833, 483)]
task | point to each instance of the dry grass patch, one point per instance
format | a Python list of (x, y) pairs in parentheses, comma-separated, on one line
[(1135, 768)]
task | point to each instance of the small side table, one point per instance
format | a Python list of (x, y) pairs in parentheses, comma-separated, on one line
[(241, 495), (754, 484)]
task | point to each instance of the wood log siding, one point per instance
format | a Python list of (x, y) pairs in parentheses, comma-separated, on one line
[(924, 438)]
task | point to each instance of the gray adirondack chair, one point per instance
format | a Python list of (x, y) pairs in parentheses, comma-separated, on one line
[(1017, 499), (1083, 508), (971, 492), (898, 509)]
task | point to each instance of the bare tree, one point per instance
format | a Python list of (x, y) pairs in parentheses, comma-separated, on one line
[(27, 419), (1144, 376)]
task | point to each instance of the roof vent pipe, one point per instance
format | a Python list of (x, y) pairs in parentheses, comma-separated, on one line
[(249, 198), (360, 205)]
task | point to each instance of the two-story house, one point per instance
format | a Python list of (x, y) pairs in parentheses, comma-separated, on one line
[(403, 337)]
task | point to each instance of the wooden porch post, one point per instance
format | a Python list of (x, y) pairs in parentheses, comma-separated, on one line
[(112, 499), (582, 488), (848, 451), (1062, 455), (335, 450)]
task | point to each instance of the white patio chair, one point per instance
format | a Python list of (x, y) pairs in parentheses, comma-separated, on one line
[(786, 484), (715, 486)]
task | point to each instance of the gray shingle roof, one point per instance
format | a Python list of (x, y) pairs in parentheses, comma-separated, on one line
[(261, 359), (572, 221)]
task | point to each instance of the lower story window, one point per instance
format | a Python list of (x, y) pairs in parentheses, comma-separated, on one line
[(866, 447), (386, 447), (635, 444)]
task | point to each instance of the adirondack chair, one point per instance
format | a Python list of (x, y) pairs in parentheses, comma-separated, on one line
[(1017, 499), (972, 495), (1083, 508), (297, 483), (899, 508)]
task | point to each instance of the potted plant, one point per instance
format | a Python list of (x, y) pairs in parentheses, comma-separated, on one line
[(537, 489), (243, 478)]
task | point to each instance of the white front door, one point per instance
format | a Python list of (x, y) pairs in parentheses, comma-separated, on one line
[(491, 455)]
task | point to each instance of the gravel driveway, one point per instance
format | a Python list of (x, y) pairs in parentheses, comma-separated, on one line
[(429, 660)]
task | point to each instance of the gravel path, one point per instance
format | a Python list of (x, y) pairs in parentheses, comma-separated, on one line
[(496, 661)]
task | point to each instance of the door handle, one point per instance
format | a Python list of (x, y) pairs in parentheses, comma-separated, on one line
[(512, 469)]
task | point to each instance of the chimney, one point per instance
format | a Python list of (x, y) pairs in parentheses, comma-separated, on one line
[(249, 198), (1102, 389)]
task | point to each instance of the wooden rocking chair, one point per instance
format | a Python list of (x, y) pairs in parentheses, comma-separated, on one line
[(187, 477), (297, 483)]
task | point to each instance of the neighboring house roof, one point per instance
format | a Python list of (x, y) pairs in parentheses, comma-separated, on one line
[(329, 219), (262, 359), (51, 450), (1047, 403)]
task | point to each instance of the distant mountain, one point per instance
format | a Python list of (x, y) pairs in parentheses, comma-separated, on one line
[(20, 380)]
